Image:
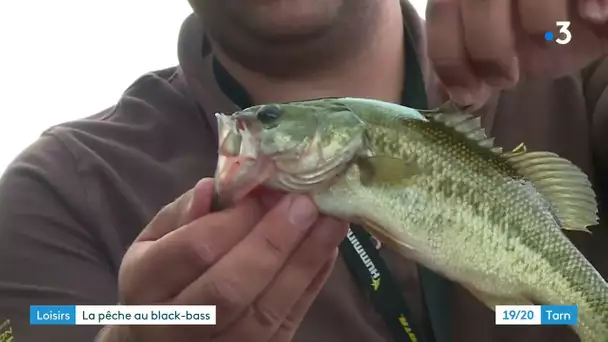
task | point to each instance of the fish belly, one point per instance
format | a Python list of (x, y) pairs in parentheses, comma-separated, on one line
[(476, 245)]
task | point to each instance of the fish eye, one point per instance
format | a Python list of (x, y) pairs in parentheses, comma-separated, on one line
[(268, 114)]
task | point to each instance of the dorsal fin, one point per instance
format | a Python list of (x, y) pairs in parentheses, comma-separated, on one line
[(565, 187), (451, 116), (563, 184)]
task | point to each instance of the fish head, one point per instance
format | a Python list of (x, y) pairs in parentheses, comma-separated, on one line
[(293, 147)]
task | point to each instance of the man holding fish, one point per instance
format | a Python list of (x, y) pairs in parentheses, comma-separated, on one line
[(481, 225)]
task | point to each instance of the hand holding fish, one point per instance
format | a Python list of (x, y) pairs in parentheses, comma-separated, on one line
[(475, 45), (261, 262)]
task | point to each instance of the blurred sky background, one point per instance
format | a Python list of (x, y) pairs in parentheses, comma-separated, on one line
[(65, 59)]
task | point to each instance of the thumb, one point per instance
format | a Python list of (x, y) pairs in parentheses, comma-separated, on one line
[(200, 201), (187, 208), (472, 98)]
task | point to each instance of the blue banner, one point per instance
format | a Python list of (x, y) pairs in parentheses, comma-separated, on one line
[(52, 314), (558, 315)]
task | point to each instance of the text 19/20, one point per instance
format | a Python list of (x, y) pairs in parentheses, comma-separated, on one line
[(518, 315)]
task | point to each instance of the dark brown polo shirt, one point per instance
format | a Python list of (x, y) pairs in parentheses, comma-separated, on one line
[(73, 202)]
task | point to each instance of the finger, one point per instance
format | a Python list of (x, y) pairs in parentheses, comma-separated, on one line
[(274, 305), (287, 330), (534, 19), (269, 197), (446, 50), (184, 254), (194, 203), (539, 57), (237, 279), (594, 14), (539, 16), (200, 202), (594, 11), (490, 40)]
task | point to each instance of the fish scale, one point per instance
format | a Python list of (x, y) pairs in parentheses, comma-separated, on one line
[(509, 223), (433, 187)]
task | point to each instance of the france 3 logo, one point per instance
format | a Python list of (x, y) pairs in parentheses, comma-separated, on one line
[(563, 36)]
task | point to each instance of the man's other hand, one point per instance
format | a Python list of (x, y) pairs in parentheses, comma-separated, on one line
[(477, 45)]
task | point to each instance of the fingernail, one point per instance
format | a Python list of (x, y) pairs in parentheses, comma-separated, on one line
[(189, 203), (471, 99), (461, 96), (301, 209), (192, 194)]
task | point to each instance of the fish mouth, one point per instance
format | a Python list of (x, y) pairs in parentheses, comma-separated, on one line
[(237, 176), (239, 168)]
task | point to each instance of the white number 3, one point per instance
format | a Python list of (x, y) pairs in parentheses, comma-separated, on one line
[(563, 32)]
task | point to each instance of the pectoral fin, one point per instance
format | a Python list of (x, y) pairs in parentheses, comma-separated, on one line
[(385, 170)]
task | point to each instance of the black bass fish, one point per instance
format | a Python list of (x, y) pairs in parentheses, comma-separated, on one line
[(432, 186)]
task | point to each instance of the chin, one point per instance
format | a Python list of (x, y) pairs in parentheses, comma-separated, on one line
[(287, 38), (284, 19)]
